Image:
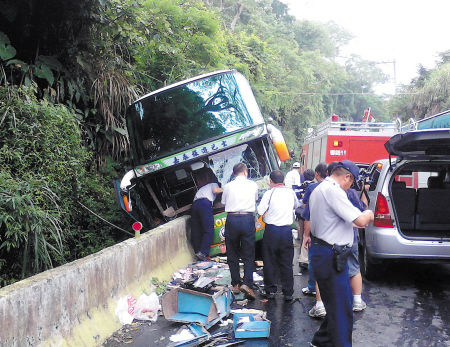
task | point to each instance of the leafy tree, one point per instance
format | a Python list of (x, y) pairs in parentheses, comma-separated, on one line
[(427, 94)]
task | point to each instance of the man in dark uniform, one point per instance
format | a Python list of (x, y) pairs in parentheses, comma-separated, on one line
[(277, 208), (239, 197), (332, 219)]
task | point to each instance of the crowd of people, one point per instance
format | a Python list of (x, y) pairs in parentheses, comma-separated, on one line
[(330, 211)]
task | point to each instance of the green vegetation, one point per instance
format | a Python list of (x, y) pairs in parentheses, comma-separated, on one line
[(45, 171), (69, 69), (427, 94)]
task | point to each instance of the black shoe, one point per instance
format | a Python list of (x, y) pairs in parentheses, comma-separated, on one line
[(303, 266), (288, 298), (270, 295), (201, 256), (248, 292)]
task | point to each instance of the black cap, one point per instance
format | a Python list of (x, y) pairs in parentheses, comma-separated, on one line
[(349, 166)]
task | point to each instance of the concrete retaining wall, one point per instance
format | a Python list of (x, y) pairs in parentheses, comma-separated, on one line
[(73, 305)]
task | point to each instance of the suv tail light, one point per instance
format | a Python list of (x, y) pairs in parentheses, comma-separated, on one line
[(382, 216)]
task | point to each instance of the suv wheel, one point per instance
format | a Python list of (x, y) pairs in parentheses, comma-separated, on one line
[(369, 269)]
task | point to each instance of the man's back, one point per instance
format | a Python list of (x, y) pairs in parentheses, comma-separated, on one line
[(292, 178), (278, 204), (240, 195)]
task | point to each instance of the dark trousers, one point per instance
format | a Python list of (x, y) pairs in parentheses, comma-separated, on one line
[(278, 253), (240, 242), (311, 277), (336, 329), (202, 226)]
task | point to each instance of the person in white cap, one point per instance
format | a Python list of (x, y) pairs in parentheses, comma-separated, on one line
[(293, 177)]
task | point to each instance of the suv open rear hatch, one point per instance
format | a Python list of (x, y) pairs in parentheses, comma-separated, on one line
[(420, 144)]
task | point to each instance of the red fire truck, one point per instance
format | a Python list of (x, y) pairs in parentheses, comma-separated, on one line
[(336, 140)]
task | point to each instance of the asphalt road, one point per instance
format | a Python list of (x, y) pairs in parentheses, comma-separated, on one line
[(409, 306)]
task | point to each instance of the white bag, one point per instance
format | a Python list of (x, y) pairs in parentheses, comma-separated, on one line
[(147, 307), (126, 309)]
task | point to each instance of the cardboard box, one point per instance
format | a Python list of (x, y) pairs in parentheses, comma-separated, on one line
[(250, 325), (189, 306)]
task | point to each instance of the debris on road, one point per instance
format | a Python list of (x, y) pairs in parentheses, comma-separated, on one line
[(199, 296), (250, 324)]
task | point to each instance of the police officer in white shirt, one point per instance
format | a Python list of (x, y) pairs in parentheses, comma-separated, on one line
[(239, 197), (277, 206), (332, 219), (293, 177)]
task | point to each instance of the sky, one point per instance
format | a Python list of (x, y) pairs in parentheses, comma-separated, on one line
[(408, 32)]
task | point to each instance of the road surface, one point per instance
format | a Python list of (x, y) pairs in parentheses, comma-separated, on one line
[(409, 306)]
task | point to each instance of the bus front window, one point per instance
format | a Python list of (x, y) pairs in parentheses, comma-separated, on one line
[(251, 154), (189, 114)]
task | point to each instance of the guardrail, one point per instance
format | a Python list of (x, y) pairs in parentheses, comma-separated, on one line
[(73, 305)]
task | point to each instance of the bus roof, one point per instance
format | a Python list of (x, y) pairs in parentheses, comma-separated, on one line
[(183, 82)]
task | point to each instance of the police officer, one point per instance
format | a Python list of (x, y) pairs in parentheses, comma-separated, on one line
[(277, 208), (332, 217), (239, 197)]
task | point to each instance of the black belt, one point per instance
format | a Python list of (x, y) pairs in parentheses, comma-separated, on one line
[(241, 213), (320, 242)]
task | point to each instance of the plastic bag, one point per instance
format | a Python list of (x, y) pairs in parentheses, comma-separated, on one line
[(126, 309), (147, 307)]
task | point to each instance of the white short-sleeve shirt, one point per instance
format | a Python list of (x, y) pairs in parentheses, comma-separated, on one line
[(280, 210), (240, 195), (292, 178), (206, 192), (332, 214)]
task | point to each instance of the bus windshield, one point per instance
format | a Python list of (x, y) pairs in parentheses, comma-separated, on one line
[(181, 117)]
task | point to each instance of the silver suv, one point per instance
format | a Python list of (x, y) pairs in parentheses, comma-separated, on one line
[(410, 197)]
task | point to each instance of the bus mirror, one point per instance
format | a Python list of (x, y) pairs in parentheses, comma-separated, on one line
[(125, 187), (125, 183)]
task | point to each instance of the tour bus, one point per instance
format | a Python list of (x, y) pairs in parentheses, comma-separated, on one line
[(212, 121)]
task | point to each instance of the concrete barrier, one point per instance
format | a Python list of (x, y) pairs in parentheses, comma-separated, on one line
[(73, 305)]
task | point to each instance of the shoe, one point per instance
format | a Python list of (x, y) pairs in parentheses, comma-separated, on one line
[(288, 298), (270, 295), (307, 291), (359, 306), (312, 345), (249, 293), (236, 289), (201, 256), (303, 266), (316, 312)]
